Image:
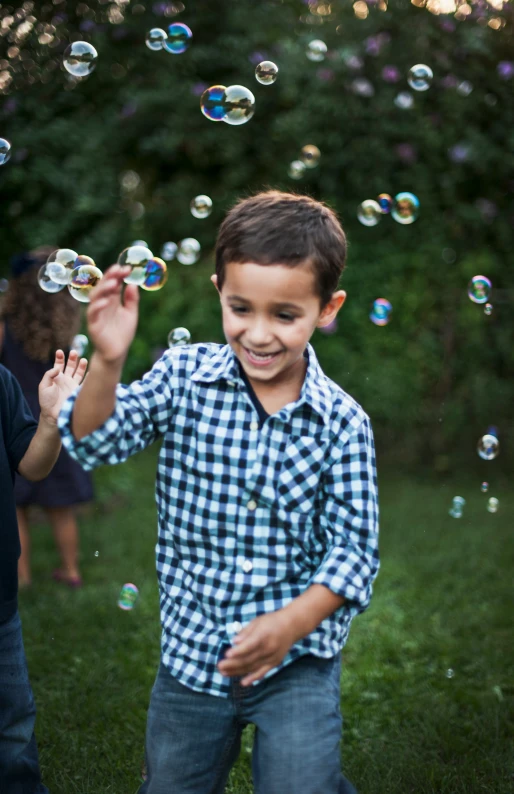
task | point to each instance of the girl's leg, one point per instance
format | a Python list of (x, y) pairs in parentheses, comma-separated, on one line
[(24, 577), (66, 534)]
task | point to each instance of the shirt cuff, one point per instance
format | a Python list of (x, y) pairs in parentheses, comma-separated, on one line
[(89, 450), (346, 579)]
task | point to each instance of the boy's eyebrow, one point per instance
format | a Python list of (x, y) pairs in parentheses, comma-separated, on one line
[(276, 303)]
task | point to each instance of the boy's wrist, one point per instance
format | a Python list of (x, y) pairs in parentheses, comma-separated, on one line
[(100, 363)]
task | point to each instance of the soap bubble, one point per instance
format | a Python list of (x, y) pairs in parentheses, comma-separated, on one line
[(488, 309), (168, 251), (80, 343), (239, 105), (484, 487), (5, 151), (296, 169), (450, 673), (83, 279), (201, 206), (380, 314), (178, 336), (128, 596), (404, 100), (406, 208), (46, 283), (137, 256), (493, 505), (266, 72), (212, 102), (155, 39), (60, 265), (80, 58), (448, 255), (140, 242), (385, 202), (316, 50), (457, 507), (156, 275), (310, 155), (488, 447), (420, 77), (179, 38), (369, 212), (188, 251), (479, 288)]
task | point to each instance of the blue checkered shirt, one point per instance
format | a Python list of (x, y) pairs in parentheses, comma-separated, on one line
[(249, 514)]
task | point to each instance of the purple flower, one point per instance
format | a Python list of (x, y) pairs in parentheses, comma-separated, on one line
[(505, 69), (87, 25), (10, 105), (159, 8), (372, 45), (362, 87), (325, 74), (447, 25), (407, 153), (354, 62), (459, 153), (449, 81), (257, 57), (390, 74), (198, 88)]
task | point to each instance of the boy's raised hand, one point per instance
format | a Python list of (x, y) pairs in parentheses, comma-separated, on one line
[(111, 323), (59, 382)]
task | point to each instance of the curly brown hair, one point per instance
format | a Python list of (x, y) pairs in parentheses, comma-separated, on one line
[(39, 321)]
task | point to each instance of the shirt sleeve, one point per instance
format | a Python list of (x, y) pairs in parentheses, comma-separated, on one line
[(141, 414), (21, 425), (350, 519)]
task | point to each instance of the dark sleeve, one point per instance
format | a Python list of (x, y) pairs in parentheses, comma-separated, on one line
[(20, 425)]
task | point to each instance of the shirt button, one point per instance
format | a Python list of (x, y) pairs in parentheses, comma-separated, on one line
[(254, 426), (231, 383), (247, 566), (252, 504), (237, 626)]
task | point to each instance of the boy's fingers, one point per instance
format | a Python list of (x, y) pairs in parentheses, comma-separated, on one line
[(71, 364)]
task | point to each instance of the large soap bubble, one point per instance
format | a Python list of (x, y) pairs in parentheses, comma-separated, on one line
[(239, 105), (296, 169), (201, 206), (80, 58), (5, 151), (310, 155), (155, 39), (80, 343), (212, 102), (316, 50), (266, 72), (405, 208), (60, 265), (188, 251), (369, 212), (488, 447), (420, 77), (156, 275), (128, 596), (46, 283), (137, 256), (178, 336), (83, 279), (179, 38), (479, 288)]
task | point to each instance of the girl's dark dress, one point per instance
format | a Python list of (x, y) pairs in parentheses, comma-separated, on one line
[(68, 483)]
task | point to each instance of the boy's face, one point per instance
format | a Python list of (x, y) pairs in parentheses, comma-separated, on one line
[(272, 309)]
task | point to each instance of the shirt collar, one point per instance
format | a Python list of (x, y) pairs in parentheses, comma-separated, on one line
[(315, 391)]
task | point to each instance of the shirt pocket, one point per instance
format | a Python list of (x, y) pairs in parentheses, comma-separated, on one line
[(299, 475)]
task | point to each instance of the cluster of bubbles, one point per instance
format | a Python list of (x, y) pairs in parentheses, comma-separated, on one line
[(178, 336), (147, 271), (316, 50), (381, 311), (235, 105), (479, 289), (5, 151), (266, 72), (80, 59), (201, 206), (457, 507), (187, 251), (403, 208), (128, 596), (488, 447), (176, 39), (80, 343), (65, 267), (309, 158)]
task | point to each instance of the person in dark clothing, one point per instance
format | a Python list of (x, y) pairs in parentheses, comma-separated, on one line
[(30, 448), (33, 323)]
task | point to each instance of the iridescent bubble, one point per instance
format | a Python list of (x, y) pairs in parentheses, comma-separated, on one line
[(46, 283), (169, 250), (61, 264), (406, 208), (266, 72), (83, 279), (155, 39), (385, 202), (369, 212), (201, 206), (5, 151), (212, 102), (239, 105), (80, 343), (316, 50), (488, 447), (381, 311), (310, 155), (140, 242), (454, 512), (128, 596), (156, 275), (178, 336), (404, 100), (457, 507), (493, 505), (484, 487), (188, 251), (137, 256), (488, 309), (179, 38), (80, 58), (420, 77), (479, 288), (450, 673), (296, 169)]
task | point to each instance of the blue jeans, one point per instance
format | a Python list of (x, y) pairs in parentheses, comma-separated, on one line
[(193, 738), (19, 765)]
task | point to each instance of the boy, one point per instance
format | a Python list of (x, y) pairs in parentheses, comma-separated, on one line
[(267, 505), (31, 448)]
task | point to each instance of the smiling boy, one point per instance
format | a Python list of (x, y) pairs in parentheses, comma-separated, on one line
[(267, 505)]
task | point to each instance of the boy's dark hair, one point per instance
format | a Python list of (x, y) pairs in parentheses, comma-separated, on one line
[(275, 228)]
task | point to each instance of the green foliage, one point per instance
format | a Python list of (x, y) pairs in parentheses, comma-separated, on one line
[(441, 371)]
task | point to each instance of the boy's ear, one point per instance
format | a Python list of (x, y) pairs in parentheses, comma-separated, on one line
[(214, 279)]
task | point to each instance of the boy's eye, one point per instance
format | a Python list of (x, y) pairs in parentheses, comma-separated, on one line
[(282, 315)]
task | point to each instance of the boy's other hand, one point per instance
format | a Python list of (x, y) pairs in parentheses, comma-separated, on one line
[(111, 323), (59, 382), (259, 647)]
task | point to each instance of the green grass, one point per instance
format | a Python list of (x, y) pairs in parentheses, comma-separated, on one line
[(442, 600)]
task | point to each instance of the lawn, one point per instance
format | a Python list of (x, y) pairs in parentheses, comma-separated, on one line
[(428, 671)]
